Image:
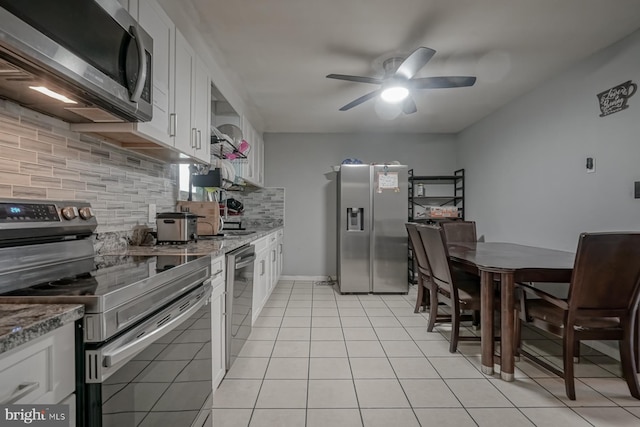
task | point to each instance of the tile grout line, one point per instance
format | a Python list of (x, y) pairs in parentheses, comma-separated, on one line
[(346, 349), (268, 363), (464, 356), (435, 370)]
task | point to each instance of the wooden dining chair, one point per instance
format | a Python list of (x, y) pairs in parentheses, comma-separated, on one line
[(601, 304), (455, 289), (424, 275), (459, 231)]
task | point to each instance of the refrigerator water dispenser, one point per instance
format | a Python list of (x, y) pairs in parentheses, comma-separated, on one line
[(355, 219)]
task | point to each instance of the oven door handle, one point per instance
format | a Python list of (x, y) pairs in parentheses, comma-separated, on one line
[(158, 329), (245, 262)]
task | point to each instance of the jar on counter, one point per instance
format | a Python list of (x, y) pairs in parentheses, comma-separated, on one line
[(420, 190)]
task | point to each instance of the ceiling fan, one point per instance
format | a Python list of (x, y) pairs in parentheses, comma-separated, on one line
[(398, 81)]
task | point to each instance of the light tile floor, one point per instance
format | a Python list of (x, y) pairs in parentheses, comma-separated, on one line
[(317, 358)]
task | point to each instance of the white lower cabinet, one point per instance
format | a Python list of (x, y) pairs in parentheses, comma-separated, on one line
[(280, 254), (218, 324), (273, 261), (41, 371), (71, 401), (260, 276), (267, 269)]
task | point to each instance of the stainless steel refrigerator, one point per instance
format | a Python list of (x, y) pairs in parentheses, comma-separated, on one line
[(372, 239)]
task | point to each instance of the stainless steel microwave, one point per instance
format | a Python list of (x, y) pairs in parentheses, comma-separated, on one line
[(79, 60)]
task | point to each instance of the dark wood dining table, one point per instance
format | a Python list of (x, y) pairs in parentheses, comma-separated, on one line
[(506, 264)]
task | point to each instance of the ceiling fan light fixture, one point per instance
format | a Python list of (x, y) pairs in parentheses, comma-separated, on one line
[(394, 94)]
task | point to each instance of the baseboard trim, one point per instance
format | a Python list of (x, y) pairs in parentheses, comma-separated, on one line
[(602, 347), (304, 278)]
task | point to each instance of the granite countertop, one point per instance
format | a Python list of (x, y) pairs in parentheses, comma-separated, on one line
[(21, 323), (214, 247)]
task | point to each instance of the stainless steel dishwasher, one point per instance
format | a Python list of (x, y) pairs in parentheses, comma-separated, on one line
[(239, 299)]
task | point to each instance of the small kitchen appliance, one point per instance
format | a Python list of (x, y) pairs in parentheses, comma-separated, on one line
[(176, 227), (92, 51)]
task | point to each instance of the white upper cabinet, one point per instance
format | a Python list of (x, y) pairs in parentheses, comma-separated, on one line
[(259, 160), (258, 155), (172, 129), (185, 66), (248, 134), (156, 22), (253, 165), (202, 111), (192, 106)]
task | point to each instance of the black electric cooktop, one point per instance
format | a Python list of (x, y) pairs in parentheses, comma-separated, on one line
[(98, 276)]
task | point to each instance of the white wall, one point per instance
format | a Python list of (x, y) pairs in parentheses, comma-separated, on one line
[(301, 163), (526, 180)]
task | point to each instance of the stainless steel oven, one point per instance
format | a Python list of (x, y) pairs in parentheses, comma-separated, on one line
[(239, 300), (143, 350), (157, 373)]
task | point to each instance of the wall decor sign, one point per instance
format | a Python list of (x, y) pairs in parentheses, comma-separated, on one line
[(615, 99)]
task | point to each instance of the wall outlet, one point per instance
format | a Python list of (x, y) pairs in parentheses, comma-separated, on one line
[(152, 212), (591, 165)]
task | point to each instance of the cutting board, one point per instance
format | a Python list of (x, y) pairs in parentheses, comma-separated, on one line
[(209, 224)]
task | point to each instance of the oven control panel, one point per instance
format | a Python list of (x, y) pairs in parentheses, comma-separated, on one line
[(37, 220), (18, 212)]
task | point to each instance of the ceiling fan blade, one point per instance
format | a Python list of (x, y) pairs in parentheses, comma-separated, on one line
[(358, 79), (360, 100), (441, 82), (409, 105), (415, 62)]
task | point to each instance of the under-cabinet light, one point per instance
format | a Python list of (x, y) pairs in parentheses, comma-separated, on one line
[(52, 94)]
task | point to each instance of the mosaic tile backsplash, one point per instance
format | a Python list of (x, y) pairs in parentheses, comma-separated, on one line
[(262, 207), (40, 158)]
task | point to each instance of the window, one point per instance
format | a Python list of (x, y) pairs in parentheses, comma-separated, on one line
[(183, 185)]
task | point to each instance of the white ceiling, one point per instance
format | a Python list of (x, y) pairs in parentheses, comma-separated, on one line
[(282, 50)]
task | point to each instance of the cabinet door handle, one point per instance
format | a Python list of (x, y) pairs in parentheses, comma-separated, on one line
[(273, 255), (23, 390), (216, 274), (262, 264), (199, 146), (280, 247), (194, 137), (173, 118)]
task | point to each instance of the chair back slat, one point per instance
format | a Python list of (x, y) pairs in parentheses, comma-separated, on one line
[(418, 247), (459, 231), (438, 256), (606, 273)]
